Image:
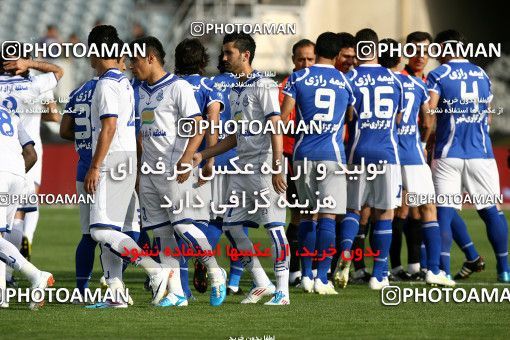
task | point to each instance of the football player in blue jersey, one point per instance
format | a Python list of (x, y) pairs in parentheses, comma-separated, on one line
[(322, 94), (416, 174), (378, 107), (191, 59), (463, 158)]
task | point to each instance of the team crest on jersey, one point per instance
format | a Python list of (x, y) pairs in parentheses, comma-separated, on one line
[(246, 101), (160, 96), (148, 116), (141, 95), (238, 115)]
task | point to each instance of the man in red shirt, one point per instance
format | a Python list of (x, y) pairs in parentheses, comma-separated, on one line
[(303, 55)]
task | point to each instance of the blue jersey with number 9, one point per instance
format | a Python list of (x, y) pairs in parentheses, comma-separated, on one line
[(322, 95)]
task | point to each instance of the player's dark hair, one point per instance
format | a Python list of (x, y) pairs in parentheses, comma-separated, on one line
[(190, 57), (418, 36), (152, 46), (243, 42), (449, 35), (346, 40), (221, 64), (327, 45), (104, 35), (366, 37), (300, 44), (389, 58)]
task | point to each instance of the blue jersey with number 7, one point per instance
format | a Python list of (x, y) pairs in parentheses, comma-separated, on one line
[(378, 95), (322, 95)]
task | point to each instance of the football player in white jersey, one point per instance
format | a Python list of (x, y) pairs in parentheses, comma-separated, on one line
[(164, 99), (22, 93), (113, 145), (17, 156), (256, 99)]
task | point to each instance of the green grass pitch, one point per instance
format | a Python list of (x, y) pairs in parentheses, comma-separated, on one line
[(356, 311)]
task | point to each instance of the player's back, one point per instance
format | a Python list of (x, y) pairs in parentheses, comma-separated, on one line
[(462, 112), (409, 140), (24, 95), (378, 101), (114, 97), (79, 108), (12, 139), (322, 95)]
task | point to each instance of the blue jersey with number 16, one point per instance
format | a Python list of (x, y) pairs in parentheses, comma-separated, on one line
[(378, 95)]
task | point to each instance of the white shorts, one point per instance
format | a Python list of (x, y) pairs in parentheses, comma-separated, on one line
[(131, 223), (333, 185), (479, 177), (417, 180), (245, 214), (219, 187), (10, 184), (383, 192), (28, 189), (153, 189), (202, 214), (111, 206)]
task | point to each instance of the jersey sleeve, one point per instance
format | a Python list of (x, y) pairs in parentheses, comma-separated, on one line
[(267, 92), (185, 100), (351, 100), (213, 94), (423, 91), (136, 94), (400, 95), (43, 83), (433, 82), (290, 86), (107, 99), (23, 137)]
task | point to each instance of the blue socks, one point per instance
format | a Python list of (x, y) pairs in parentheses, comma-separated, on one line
[(213, 232), (461, 236), (348, 231), (85, 253), (497, 231), (382, 243), (444, 218), (236, 267), (432, 240), (325, 240), (307, 236)]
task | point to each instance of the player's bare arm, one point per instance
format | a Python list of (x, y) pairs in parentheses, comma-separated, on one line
[(51, 113), (427, 120), (279, 183), (211, 139), (222, 147), (20, 66), (30, 156), (286, 108), (108, 128), (187, 157), (67, 127)]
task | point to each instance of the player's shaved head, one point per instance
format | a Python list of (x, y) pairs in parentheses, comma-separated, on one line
[(152, 46), (366, 39), (327, 45), (104, 35), (388, 59), (190, 57)]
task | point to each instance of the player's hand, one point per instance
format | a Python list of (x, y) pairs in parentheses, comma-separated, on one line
[(279, 184), (181, 178), (197, 159), (16, 67), (207, 171), (91, 180)]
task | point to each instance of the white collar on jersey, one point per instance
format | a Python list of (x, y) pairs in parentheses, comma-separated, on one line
[(459, 61), (323, 65), (369, 65)]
